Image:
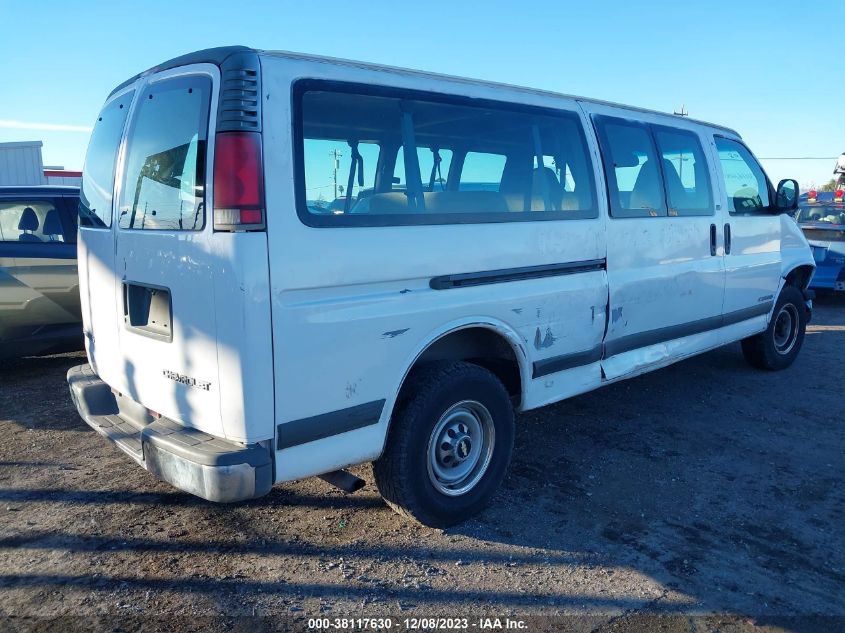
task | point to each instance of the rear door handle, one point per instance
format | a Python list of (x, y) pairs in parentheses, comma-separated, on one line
[(713, 239), (727, 239)]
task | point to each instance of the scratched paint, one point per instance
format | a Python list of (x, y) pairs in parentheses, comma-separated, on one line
[(394, 333), (544, 342)]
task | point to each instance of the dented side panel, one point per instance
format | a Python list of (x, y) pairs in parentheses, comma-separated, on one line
[(661, 275)]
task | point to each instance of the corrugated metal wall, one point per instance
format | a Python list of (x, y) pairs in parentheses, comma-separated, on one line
[(65, 181), (20, 163)]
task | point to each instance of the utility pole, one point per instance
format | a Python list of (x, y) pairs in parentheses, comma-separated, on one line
[(681, 112), (335, 154)]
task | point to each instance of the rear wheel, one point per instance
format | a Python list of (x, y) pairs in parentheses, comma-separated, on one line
[(777, 347), (449, 444)]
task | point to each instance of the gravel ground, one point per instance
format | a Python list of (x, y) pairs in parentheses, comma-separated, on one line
[(705, 496)]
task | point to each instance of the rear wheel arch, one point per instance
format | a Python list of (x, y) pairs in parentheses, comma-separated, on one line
[(491, 345)]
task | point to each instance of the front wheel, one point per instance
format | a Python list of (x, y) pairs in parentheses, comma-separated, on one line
[(449, 444), (777, 347)]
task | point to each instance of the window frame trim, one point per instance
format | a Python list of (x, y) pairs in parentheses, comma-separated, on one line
[(302, 85), (767, 210)]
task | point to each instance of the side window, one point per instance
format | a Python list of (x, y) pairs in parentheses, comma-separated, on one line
[(630, 162), (685, 172), (98, 173), (438, 161), (434, 165), (745, 183), (31, 221), (434, 168), (482, 172), (331, 168), (564, 180), (164, 180)]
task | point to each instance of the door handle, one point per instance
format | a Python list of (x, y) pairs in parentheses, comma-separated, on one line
[(727, 239), (713, 240)]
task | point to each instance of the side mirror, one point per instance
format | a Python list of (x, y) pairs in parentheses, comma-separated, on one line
[(787, 195)]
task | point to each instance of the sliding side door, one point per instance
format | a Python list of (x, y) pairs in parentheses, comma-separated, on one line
[(665, 271)]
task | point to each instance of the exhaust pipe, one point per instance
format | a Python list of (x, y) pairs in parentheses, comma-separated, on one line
[(344, 480)]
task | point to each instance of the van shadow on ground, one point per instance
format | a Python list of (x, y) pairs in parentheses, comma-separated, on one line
[(719, 481)]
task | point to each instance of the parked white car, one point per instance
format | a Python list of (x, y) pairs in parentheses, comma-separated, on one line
[(293, 264)]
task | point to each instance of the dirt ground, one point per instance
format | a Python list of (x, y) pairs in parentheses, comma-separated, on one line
[(705, 496)]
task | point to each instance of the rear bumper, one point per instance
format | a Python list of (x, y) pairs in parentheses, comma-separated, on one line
[(206, 466)]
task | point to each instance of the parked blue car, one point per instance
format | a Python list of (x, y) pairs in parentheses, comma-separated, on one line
[(821, 215)]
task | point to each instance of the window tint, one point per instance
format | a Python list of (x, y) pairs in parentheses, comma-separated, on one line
[(630, 162), (164, 180), (98, 172), (432, 162), (685, 172), (745, 183), (31, 221)]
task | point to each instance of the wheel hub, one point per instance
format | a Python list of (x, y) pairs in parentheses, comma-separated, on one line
[(785, 330), (460, 448)]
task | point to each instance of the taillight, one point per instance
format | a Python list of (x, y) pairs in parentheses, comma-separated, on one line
[(238, 182)]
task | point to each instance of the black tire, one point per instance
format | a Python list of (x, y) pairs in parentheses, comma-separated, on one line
[(776, 349), (434, 395)]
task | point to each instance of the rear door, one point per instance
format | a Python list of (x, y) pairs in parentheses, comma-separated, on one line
[(95, 248), (164, 267), (194, 319)]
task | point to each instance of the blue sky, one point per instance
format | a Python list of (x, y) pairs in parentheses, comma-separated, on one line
[(766, 68)]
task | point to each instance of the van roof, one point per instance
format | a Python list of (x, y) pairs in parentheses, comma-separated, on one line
[(219, 54)]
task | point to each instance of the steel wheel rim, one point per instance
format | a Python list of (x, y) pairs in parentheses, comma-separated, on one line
[(785, 330), (460, 448)]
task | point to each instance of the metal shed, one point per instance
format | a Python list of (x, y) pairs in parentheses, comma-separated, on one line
[(20, 163)]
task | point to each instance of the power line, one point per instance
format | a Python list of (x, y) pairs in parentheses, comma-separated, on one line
[(799, 158)]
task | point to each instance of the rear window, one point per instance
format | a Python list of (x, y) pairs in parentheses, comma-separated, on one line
[(371, 156), (164, 179), (31, 222), (95, 206)]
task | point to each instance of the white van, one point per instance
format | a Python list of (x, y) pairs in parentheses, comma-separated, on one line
[(291, 264)]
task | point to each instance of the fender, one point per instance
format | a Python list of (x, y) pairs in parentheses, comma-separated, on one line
[(795, 252)]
